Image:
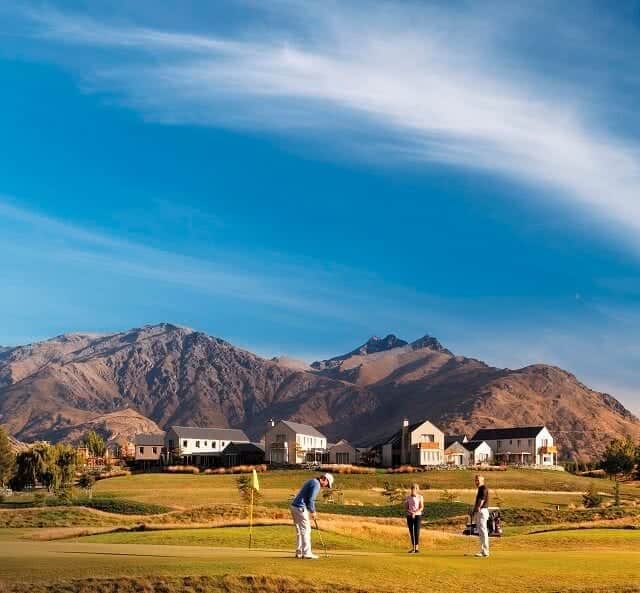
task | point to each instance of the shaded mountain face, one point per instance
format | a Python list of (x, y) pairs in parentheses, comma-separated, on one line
[(166, 374)]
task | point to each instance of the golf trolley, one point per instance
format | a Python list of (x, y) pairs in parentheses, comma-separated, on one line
[(494, 523)]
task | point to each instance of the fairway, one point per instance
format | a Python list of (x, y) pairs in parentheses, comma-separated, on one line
[(543, 569)]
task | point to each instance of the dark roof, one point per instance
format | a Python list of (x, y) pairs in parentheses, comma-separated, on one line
[(243, 448), (449, 439), (520, 432), (472, 445), (215, 434), (303, 429), (149, 438)]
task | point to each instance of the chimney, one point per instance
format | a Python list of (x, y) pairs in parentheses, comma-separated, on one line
[(404, 443), (271, 423)]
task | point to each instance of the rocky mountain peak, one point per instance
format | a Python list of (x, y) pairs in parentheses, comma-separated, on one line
[(430, 342)]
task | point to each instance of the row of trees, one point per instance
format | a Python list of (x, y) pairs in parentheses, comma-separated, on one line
[(53, 466)]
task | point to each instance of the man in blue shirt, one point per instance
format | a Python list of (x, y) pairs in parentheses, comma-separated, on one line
[(303, 504)]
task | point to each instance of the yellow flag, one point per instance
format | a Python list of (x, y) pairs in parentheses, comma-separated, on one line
[(254, 481)]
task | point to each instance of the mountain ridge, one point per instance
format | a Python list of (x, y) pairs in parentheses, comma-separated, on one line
[(168, 374)]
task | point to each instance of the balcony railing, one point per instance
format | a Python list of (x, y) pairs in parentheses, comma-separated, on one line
[(428, 445), (279, 445), (548, 449)]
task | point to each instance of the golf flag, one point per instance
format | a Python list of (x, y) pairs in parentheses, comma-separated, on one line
[(255, 484), (255, 487)]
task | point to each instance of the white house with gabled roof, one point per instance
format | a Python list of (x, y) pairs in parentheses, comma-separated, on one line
[(288, 442), (194, 445), (523, 445)]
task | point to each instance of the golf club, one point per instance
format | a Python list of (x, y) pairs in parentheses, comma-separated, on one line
[(324, 547)]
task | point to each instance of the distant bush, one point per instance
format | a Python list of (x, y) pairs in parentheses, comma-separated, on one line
[(181, 469), (339, 468), (114, 473), (236, 469), (404, 469), (591, 499)]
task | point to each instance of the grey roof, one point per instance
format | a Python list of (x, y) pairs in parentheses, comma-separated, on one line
[(149, 438), (519, 432), (214, 434), (303, 429), (472, 445)]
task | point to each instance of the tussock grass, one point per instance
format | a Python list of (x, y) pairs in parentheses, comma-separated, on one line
[(195, 584)]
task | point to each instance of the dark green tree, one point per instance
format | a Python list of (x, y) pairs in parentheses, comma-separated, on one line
[(65, 459), (619, 458), (7, 459), (86, 482)]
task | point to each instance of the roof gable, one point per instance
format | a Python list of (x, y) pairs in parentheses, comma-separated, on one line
[(305, 429), (149, 439), (473, 445)]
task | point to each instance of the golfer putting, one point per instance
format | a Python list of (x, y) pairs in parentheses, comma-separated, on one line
[(414, 505), (302, 508)]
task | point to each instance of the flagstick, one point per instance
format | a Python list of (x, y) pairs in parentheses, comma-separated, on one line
[(251, 519)]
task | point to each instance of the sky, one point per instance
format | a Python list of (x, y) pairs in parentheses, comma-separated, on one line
[(295, 177)]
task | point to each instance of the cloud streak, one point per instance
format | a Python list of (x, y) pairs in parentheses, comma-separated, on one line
[(429, 90)]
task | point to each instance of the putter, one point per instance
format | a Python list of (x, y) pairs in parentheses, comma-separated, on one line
[(324, 547)]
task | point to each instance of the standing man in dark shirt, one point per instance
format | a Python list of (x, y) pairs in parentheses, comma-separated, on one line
[(481, 512)]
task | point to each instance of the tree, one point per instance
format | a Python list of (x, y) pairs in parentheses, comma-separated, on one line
[(619, 458), (95, 444), (35, 465), (86, 482), (7, 459), (65, 459), (244, 484)]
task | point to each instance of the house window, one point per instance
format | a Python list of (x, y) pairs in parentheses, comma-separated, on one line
[(222, 444), (213, 444), (155, 449), (342, 457), (281, 438), (184, 443), (510, 442), (205, 443), (197, 444), (518, 443), (170, 443), (428, 438), (529, 442), (141, 450), (499, 444)]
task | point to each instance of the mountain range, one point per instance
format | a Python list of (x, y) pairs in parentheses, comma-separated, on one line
[(148, 378)]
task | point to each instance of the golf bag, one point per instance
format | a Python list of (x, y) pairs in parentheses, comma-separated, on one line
[(494, 524)]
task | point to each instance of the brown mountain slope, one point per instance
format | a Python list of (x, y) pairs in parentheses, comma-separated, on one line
[(170, 374), (174, 375)]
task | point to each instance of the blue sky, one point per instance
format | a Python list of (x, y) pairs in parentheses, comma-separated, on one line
[(299, 177)]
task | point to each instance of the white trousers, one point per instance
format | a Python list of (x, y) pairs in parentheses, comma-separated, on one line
[(482, 517), (303, 530)]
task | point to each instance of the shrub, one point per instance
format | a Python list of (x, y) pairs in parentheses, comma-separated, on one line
[(181, 469), (38, 498), (236, 469), (121, 506), (404, 469), (114, 473), (591, 498), (338, 468)]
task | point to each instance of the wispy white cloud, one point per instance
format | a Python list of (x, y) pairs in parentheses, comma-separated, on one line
[(430, 82)]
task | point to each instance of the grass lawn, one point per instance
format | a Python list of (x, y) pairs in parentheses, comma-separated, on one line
[(551, 562), (514, 487)]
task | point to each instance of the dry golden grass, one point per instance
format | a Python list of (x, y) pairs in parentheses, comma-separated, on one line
[(339, 468), (195, 584), (236, 469)]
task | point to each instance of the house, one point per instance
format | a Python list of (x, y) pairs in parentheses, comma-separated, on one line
[(203, 447), (420, 444), (342, 452), (289, 442), (525, 445), (464, 452), (150, 449), (243, 454)]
